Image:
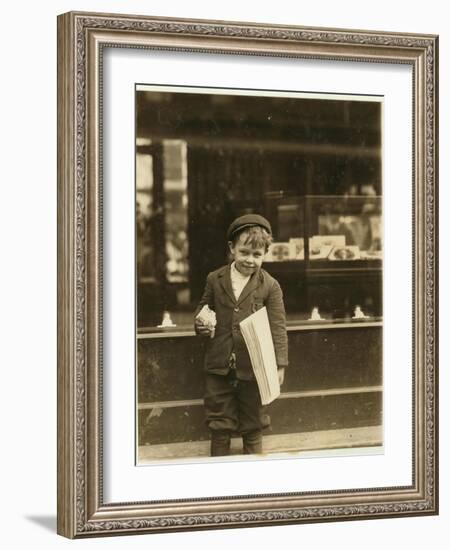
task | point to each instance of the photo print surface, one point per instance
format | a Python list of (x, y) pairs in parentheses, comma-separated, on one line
[(311, 166)]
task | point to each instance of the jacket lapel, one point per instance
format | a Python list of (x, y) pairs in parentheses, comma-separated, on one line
[(252, 284), (225, 281)]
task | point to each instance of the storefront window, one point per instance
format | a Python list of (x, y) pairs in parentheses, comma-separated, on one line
[(312, 166)]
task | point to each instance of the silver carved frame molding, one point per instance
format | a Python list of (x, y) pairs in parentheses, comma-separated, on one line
[(81, 38)]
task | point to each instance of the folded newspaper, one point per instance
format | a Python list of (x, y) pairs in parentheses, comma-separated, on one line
[(258, 338)]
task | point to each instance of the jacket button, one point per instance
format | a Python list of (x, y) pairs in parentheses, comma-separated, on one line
[(236, 309)]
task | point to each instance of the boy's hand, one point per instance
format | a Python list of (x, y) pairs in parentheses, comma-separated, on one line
[(200, 328), (281, 376)]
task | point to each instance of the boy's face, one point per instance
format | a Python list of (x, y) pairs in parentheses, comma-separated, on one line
[(247, 258)]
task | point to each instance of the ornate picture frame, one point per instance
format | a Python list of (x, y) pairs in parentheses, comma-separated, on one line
[(82, 509)]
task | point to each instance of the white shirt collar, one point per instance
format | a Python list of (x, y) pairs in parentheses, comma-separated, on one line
[(236, 273), (238, 281)]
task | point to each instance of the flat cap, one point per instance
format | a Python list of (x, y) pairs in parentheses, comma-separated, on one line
[(248, 220)]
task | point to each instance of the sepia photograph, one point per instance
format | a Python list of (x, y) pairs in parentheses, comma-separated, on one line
[(259, 274)]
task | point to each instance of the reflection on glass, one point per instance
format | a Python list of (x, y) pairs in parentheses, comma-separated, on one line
[(170, 207), (312, 168), (144, 210), (348, 229), (176, 203), (339, 229)]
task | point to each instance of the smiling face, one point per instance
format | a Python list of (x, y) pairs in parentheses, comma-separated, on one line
[(247, 257)]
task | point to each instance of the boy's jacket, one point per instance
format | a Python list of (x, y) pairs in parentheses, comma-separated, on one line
[(261, 290)]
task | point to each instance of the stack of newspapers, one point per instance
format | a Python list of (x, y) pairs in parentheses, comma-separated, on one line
[(258, 338)]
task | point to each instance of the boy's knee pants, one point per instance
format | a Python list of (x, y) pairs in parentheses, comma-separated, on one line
[(233, 405)]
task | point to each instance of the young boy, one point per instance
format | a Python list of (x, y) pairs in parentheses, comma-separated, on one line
[(233, 292)]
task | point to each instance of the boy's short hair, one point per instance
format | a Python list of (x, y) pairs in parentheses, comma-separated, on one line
[(256, 236)]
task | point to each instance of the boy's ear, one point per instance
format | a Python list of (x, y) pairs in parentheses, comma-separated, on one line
[(231, 246)]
